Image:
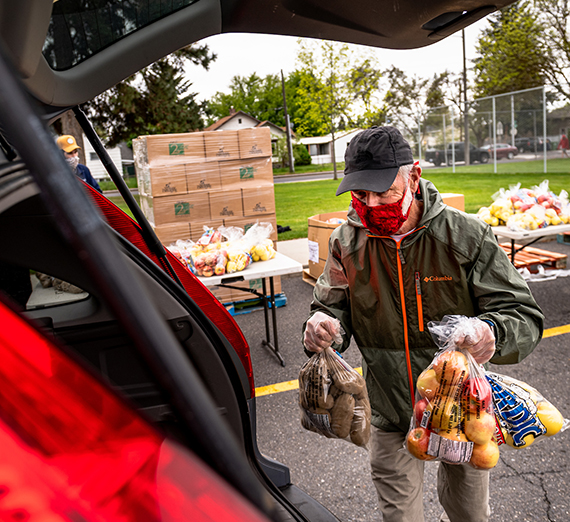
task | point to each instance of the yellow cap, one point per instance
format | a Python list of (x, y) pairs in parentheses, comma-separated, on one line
[(67, 143)]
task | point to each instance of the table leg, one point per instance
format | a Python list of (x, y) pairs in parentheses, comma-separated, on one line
[(513, 251), (273, 347)]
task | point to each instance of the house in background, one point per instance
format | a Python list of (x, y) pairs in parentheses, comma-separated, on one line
[(320, 147), (240, 120), (94, 164)]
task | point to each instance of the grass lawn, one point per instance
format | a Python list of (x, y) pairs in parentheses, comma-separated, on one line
[(296, 202), (118, 200)]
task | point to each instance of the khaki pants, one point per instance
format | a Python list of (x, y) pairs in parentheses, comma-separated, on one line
[(398, 477)]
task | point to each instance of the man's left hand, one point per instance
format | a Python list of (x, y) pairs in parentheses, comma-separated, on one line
[(479, 341)]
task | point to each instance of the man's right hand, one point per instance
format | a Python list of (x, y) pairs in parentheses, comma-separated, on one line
[(321, 331)]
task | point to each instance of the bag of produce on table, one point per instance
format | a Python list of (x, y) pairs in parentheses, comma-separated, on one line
[(527, 209), (225, 250)]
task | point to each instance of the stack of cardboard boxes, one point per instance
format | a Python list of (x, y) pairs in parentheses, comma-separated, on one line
[(206, 179)]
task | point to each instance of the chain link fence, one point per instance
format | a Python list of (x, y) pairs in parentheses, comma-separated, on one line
[(519, 126)]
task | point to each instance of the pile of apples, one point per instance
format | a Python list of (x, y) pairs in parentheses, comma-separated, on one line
[(453, 418), (527, 209)]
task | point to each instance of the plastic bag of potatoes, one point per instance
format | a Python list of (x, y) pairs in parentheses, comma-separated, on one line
[(333, 399)]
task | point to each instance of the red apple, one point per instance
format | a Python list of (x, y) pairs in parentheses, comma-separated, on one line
[(417, 443), (419, 409), (479, 427), (485, 456), (478, 394), (427, 384)]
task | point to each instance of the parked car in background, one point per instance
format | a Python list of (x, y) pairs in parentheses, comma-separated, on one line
[(435, 156), (476, 154), (130, 396), (532, 144), (502, 150)]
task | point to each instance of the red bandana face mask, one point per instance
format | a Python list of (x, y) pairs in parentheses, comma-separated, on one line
[(383, 220)]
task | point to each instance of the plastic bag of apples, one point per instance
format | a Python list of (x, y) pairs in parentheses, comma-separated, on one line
[(462, 414)]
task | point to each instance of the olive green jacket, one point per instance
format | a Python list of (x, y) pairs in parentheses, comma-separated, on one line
[(385, 294)]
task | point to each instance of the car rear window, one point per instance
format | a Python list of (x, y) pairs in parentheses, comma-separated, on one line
[(81, 28)]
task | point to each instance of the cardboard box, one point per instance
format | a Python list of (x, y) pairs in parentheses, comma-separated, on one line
[(454, 200), (248, 222), (169, 234), (258, 200), (225, 203), (318, 233), (163, 149), (203, 176), (166, 180), (254, 142), (197, 227), (224, 295), (246, 172), (221, 145), (183, 208)]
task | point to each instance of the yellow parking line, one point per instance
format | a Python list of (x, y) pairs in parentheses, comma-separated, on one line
[(558, 330), (282, 386), (293, 385)]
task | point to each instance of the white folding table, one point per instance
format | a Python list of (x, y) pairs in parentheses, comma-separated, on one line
[(527, 235), (278, 266)]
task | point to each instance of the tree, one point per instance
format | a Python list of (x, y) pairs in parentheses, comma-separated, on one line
[(324, 95), (511, 53), (554, 16), (261, 98), (364, 83), (154, 101), (409, 101)]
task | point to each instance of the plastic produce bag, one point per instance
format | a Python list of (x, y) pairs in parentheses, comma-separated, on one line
[(523, 414), (260, 244), (453, 419), (333, 399)]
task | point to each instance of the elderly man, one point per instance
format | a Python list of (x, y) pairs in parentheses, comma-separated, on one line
[(403, 259)]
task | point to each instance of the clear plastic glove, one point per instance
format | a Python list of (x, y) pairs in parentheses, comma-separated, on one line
[(478, 338), (321, 331)]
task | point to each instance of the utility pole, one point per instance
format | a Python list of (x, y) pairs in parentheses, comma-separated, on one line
[(287, 127), (465, 106)]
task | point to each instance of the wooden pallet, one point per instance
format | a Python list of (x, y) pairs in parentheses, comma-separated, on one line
[(531, 257), (308, 278)]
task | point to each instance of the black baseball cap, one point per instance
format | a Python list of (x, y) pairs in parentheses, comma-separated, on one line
[(373, 158)]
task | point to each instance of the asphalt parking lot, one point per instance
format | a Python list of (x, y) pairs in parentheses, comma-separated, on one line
[(531, 484)]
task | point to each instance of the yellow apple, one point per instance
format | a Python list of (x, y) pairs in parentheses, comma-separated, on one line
[(485, 456), (479, 427), (427, 384)]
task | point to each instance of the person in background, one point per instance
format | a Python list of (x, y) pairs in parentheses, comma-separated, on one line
[(564, 145), (401, 260), (70, 150)]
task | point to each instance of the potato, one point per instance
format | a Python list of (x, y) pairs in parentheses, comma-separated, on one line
[(360, 426), (348, 381), (314, 385), (342, 413)]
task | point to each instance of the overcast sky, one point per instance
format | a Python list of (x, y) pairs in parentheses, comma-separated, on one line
[(244, 54)]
